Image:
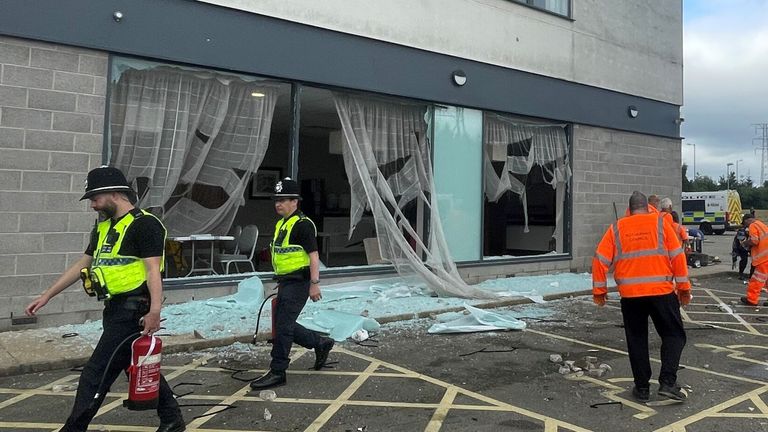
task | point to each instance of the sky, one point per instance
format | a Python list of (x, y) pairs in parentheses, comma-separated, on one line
[(725, 61)]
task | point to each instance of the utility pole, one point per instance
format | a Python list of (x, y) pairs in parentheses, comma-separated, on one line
[(761, 141)]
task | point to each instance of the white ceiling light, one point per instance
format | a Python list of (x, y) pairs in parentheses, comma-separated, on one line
[(257, 94)]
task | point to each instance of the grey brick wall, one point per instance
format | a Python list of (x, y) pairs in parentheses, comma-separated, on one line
[(51, 120), (607, 166)]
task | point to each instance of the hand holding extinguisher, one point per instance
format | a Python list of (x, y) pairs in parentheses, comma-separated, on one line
[(151, 322)]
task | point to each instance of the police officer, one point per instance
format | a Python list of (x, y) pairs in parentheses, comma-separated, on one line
[(297, 269), (121, 265)]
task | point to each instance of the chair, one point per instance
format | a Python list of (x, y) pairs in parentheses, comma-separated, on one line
[(230, 247), (246, 245)]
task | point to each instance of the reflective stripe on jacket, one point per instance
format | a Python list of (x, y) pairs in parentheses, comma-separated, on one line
[(286, 257), (646, 256), (758, 235), (119, 273)]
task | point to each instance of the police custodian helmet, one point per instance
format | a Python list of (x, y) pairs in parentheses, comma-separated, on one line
[(107, 179), (287, 188)]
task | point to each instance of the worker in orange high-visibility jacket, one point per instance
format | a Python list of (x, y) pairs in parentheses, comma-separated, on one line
[(653, 207), (758, 241), (680, 230), (650, 269)]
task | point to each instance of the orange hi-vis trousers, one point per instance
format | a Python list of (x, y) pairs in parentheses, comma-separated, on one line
[(757, 283)]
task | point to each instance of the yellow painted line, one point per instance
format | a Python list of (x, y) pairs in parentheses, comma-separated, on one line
[(734, 354), (759, 404), (314, 372), (613, 394), (477, 396), (27, 393), (235, 397), (679, 425), (326, 415), (693, 368), (735, 315), (436, 422), (28, 425)]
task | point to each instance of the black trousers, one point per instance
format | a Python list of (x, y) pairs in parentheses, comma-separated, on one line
[(291, 297), (664, 310), (121, 319), (743, 258)]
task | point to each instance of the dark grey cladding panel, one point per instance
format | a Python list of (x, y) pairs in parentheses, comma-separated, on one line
[(201, 34)]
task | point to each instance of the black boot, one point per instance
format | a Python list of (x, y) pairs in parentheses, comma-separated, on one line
[(273, 378), (177, 425), (321, 352)]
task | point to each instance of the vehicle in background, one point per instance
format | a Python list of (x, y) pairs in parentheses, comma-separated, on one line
[(712, 212)]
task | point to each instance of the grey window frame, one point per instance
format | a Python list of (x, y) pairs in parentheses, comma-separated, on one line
[(532, 5)]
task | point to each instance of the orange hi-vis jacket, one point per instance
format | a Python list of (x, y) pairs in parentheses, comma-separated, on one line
[(646, 256), (651, 209), (758, 235), (682, 232)]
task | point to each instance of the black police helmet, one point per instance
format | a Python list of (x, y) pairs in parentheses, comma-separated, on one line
[(107, 179), (287, 188)]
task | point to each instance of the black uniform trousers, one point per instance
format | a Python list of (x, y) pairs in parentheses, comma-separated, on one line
[(291, 297), (664, 310), (120, 319)]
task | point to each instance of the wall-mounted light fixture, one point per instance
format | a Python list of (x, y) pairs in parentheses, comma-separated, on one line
[(632, 111), (117, 16), (459, 77)]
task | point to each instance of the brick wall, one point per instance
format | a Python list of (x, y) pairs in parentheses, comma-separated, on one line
[(607, 166), (51, 122)]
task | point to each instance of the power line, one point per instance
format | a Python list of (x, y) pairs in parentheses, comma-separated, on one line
[(761, 141)]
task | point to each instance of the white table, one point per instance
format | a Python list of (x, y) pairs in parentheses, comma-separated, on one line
[(197, 238)]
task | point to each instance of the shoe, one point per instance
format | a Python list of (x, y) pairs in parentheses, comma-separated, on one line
[(672, 392), (176, 425), (746, 302), (273, 378), (641, 394), (321, 352)]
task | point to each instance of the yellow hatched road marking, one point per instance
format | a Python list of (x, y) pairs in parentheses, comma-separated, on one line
[(326, 415), (436, 422)]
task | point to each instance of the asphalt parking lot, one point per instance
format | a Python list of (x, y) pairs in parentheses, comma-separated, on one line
[(409, 380)]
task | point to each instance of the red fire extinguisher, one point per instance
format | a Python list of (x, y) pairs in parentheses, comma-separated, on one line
[(144, 373)]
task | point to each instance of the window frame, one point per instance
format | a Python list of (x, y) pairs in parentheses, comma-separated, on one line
[(530, 4)]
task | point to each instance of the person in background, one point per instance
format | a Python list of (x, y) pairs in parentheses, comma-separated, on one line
[(741, 253), (297, 269), (652, 277), (680, 230), (757, 242), (666, 205)]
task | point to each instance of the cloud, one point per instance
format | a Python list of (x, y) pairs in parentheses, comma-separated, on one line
[(725, 61)]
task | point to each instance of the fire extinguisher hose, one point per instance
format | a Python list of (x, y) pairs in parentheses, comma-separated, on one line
[(258, 317), (109, 363)]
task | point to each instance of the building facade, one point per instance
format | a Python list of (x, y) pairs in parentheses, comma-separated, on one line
[(536, 119)]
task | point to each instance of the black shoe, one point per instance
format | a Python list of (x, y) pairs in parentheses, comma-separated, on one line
[(273, 378), (672, 392), (322, 351), (177, 425), (746, 302), (641, 394)]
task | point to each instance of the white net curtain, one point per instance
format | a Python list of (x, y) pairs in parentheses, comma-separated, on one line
[(522, 146), (387, 160), (190, 141)]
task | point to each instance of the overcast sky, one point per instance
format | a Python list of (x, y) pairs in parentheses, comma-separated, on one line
[(725, 46)]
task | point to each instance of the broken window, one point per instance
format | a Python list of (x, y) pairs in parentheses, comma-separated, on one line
[(526, 176)]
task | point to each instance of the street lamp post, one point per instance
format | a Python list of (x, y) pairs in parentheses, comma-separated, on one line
[(737, 170), (694, 158), (728, 175)]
